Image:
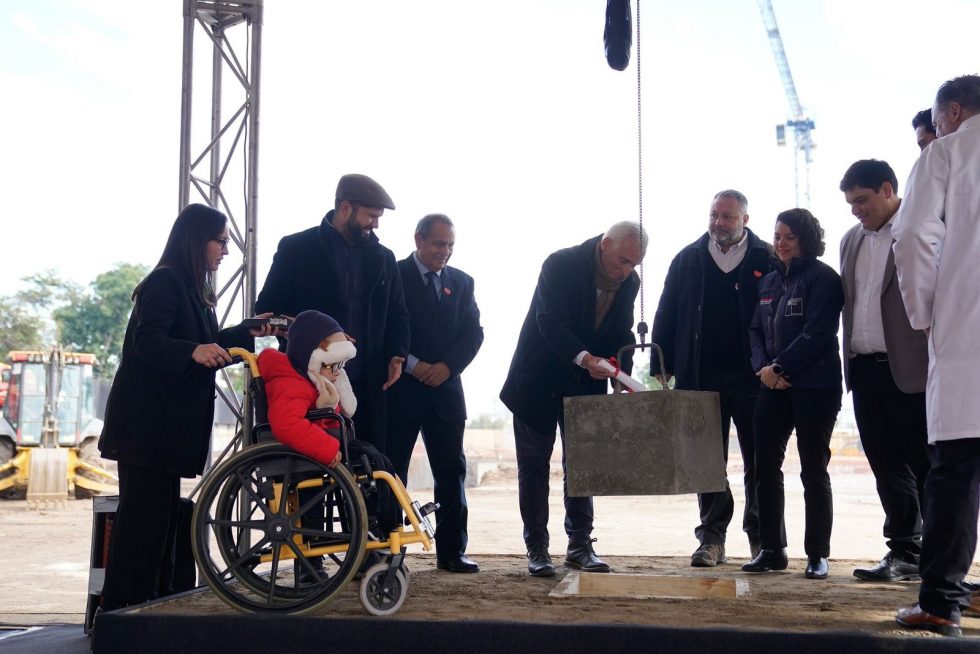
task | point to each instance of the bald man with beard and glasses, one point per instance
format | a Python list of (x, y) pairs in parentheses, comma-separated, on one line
[(937, 238), (581, 314), (702, 325)]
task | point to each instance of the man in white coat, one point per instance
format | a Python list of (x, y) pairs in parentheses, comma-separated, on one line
[(937, 241)]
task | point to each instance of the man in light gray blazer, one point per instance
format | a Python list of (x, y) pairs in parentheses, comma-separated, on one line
[(885, 367)]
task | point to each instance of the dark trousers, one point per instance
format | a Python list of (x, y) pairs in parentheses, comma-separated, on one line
[(365, 428), (142, 539), (444, 446), (534, 450), (892, 425), (949, 537), (812, 412), (737, 395)]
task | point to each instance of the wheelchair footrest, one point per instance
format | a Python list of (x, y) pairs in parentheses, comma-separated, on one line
[(422, 511)]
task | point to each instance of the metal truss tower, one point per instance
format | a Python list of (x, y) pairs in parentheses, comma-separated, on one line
[(219, 164), (798, 122)]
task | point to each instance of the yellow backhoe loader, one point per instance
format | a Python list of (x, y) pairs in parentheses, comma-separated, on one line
[(49, 433)]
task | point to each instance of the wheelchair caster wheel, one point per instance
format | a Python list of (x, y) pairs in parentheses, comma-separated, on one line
[(381, 600)]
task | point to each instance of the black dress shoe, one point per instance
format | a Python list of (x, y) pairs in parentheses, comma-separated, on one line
[(539, 563), (890, 568), (817, 567), (581, 556), (767, 561), (461, 563)]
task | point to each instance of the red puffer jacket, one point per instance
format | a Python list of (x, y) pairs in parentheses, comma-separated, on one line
[(290, 396)]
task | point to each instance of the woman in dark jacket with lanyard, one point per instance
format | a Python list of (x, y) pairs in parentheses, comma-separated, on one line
[(796, 356), (161, 405)]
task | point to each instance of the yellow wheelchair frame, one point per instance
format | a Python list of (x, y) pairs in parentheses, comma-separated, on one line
[(258, 510)]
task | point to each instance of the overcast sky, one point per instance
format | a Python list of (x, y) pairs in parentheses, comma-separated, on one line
[(503, 115)]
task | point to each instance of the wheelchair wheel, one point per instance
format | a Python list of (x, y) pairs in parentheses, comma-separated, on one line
[(378, 599), (248, 545)]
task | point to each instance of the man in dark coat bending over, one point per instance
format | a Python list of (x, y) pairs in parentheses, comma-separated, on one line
[(339, 268), (581, 313)]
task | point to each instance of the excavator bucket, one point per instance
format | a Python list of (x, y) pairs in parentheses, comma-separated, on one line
[(48, 480)]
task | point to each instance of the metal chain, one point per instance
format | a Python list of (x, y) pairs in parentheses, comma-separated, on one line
[(639, 149)]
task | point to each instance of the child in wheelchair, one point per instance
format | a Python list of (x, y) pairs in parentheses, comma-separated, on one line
[(310, 375), (318, 500)]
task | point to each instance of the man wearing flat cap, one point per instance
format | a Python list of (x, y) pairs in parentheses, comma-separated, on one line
[(340, 269)]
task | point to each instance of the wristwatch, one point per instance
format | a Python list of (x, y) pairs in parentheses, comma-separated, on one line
[(777, 369)]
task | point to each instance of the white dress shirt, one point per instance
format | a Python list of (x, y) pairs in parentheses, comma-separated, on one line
[(868, 335)]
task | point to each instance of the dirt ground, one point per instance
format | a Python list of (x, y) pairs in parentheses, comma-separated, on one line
[(45, 565), (504, 591)]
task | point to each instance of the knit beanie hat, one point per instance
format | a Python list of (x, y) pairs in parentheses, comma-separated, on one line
[(305, 354), (305, 334)]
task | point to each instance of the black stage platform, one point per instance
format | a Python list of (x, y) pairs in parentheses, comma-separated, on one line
[(129, 632)]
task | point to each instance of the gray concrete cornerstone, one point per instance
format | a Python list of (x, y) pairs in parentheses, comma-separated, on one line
[(648, 443)]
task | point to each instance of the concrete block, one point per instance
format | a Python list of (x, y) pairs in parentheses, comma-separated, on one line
[(648, 443)]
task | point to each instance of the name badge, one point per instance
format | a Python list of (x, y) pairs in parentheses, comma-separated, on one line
[(794, 307)]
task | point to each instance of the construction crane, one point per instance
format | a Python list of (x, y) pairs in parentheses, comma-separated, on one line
[(798, 122)]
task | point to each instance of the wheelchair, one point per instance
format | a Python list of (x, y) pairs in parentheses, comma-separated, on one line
[(267, 515)]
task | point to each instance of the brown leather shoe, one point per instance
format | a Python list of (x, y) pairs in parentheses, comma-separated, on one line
[(916, 618)]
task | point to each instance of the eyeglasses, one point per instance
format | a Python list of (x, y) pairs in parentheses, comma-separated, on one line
[(223, 242), (335, 368)]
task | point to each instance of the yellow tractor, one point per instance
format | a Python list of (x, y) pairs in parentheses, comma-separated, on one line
[(49, 433)]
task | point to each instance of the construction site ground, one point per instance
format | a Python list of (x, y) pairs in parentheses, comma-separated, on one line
[(46, 564)]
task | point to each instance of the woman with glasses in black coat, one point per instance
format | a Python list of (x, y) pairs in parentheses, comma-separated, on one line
[(161, 406)]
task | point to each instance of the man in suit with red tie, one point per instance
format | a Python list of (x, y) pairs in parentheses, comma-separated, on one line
[(445, 337)]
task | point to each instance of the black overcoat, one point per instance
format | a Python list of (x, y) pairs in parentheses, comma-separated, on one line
[(677, 325), (161, 405), (560, 323), (303, 277), (448, 331)]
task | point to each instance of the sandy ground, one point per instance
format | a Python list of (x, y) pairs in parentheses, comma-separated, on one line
[(45, 565), (504, 591)]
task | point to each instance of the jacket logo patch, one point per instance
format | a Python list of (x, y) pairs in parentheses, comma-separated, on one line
[(757, 274), (794, 307), (765, 301)]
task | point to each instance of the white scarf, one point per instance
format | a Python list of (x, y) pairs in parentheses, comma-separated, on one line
[(333, 393)]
